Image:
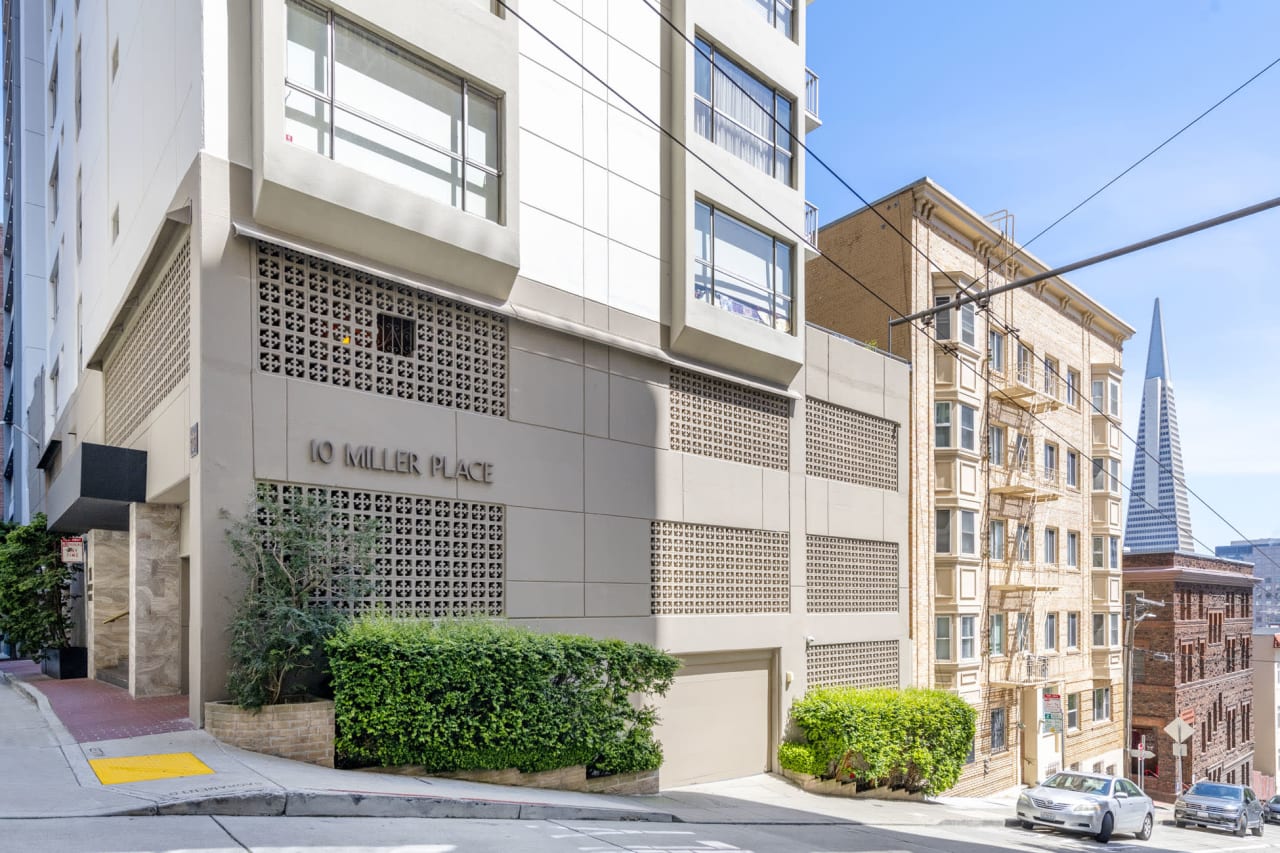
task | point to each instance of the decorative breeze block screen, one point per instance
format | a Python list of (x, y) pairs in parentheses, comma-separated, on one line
[(873, 663), (154, 355), (698, 568), (329, 323), (851, 575), (712, 417), (435, 557), (851, 446)]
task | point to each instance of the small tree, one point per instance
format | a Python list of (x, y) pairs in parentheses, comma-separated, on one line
[(34, 589), (300, 560)]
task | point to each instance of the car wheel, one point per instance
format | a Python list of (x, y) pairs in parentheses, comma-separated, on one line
[(1180, 824), (1242, 826), (1148, 823), (1104, 834), (1257, 830), (1026, 824)]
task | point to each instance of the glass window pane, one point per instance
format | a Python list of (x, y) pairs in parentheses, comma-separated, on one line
[(482, 129), (383, 154), (306, 61), (702, 70), (482, 193), (377, 79), (783, 269), (782, 126), (306, 121)]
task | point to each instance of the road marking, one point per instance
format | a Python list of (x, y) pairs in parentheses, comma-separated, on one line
[(144, 768)]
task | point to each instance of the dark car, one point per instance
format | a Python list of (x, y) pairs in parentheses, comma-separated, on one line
[(1271, 812), (1215, 804)]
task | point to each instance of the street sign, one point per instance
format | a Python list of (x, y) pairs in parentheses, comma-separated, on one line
[(1179, 730), (1179, 750), (1142, 753), (1188, 716), (73, 549)]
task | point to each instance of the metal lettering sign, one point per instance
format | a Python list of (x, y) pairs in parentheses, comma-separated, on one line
[(396, 460), (73, 549)]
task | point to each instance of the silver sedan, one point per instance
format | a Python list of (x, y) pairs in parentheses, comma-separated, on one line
[(1088, 803)]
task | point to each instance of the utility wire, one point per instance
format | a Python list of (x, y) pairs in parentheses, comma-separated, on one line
[(1008, 328), (782, 224)]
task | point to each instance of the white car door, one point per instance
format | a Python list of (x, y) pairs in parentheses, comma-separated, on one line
[(1133, 806)]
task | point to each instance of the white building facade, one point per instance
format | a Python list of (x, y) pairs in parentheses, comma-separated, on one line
[(433, 269)]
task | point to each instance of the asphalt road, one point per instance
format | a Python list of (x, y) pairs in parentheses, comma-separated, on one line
[(330, 835)]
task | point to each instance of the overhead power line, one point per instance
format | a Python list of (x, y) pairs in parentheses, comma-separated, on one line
[(961, 287), (769, 213)]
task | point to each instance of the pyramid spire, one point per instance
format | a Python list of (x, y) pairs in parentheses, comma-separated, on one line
[(1157, 357), (1159, 516)]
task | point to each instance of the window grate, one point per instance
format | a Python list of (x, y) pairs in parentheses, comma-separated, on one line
[(873, 663), (851, 575), (854, 447), (324, 322), (712, 417), (154, 355), (703, 569)]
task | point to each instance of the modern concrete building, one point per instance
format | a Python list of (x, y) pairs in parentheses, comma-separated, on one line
[(32, 247), (432, 269), (1265, 556), (1192, 660), (1159, 519), (1266, 696), (1015, 478)]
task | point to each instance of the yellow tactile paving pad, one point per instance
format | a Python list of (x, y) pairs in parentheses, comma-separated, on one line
[(144, 768)]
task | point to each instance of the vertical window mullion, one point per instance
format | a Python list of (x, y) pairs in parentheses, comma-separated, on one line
[(462, 143), (331, 32), (712, 216)]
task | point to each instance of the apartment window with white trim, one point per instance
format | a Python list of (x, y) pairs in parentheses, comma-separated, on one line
[(1051, 632), (1073, 549), (1050, 545), (1099, 475), (942, 320), (968, 415), (1073, 469), (1023, 543), (1114, 552), (968, 534), (1073, 711), (995, 642), (942, 638), (1099, 630), (741, 269), (741, 113), (995, 538), (942, 424), (995, 445), (1114, 464), (995, 351), (361, 100), (1099, 552), (1073, 631), (1051, 462), (942, 531), (1073, 387), (1101, 704), (999, 736), (1024, 364), (1051, 376), (968, 325), (968, 640), (1114, 624)]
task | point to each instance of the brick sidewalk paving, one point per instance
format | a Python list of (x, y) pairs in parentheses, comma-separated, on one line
[(94, 710)]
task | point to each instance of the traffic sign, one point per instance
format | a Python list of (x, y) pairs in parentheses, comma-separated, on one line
[(1179, 730), (1142, 753), (1179, 750), (73, 549)]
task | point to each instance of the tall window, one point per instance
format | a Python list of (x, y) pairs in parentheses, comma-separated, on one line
[(942, 320), (1099, 552), (742, 269), (1073, 630), (1073, 549), (1101, 704), (1099, 630), (1024, 364), (1073, 387), (1050, 545), (1114, 552), (1099, 475), (1073, 711), (942, 531), (942, 424), (740, 113), (1021, 451), (1051, 462), (995, 351), (778, 13), (995, 538), (1023, 543), (1113, 621), (995, 643), (1073, 469), (1099, 395), (360, 100), (1114, 465), (1051, 632), (968, 536), (968, 640), (967, 416), (998, 730), (995, 445), (1051, 376), (942, 637), (1022, 633)]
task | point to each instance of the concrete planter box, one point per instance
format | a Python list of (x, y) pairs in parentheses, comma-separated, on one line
[(565, 779), (301, 731), (836, 788)]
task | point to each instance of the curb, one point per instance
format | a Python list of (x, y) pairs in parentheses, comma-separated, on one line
[(34, 695)]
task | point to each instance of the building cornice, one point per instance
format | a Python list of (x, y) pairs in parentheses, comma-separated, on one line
[(1187, 574)]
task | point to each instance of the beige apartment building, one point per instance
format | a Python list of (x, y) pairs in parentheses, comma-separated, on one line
[(427, 266), (1015, 563)]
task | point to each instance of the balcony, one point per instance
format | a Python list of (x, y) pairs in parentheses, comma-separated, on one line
[(811, 224), (811, 120), (1015, 575), (1018, 386), (1025, 481), (1025, 669)]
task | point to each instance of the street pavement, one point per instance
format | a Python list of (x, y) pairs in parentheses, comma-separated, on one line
[(47, 771)]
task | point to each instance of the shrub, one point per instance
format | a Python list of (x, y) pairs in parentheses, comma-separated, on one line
[(482, 695), (915, 739), (34, 589), (292, 548)]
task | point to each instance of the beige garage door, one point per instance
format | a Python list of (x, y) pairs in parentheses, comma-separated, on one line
[(716, 719)]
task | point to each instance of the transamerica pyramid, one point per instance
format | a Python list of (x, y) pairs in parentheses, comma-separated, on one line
[(1159, 517)]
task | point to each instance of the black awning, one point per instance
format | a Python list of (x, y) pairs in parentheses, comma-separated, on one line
[(95, 487)]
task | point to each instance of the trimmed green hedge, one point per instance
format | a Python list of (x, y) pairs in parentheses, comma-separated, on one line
[(914, 739), (483, 695)]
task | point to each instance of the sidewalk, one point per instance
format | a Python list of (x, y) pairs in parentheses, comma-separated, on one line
[(50, 730)]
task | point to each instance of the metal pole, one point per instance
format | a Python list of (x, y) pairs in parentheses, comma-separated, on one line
[(965, 298), (1177, 773), (1130, 605)]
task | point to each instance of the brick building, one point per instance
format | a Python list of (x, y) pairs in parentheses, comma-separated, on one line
[(1015, 459), (1192, 658)]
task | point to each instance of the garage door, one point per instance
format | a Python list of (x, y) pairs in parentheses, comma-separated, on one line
[(716, 719)]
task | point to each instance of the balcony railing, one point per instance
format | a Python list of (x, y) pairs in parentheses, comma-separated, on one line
[(1026, 669), (811, 119), (811, 224)]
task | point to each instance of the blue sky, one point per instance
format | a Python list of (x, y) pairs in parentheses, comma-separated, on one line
[(1032, 106)]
